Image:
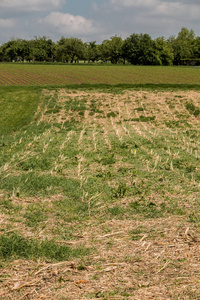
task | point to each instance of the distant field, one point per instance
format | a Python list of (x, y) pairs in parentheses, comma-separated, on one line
[(29, 74)]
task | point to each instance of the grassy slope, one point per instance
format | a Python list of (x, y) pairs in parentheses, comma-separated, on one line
[(112, 169)]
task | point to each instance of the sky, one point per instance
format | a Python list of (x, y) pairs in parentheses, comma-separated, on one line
[(96, 20)]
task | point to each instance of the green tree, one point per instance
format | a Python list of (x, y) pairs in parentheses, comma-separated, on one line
[(91, 51), (183, 45), (104, 51), (116, 52), (70, 49), (196, 48), (165, 51), (10, 51), (43, 49), (111, 50), (140, 49)]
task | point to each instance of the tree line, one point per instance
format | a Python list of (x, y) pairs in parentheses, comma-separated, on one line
[(137, 49)]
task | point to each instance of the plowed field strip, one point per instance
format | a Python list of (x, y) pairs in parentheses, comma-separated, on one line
[(30, 74)]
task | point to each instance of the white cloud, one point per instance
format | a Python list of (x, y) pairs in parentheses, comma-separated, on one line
[(133, 3), (157, 16), (30, 5), (67, 24), (159, 7), (7, 23)]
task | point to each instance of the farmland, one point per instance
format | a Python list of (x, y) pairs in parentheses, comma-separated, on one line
[(31, 74), (100, 184)]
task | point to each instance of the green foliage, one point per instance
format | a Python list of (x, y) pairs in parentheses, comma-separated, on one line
[(70, 49), (140, 49), (116, 211), (136, 49), (147, 208), (109, 159), (120, 191), (141, 119), (75, 105), (193, 110), (111, 114), (36, 163), (7, 206), (182, 45), (16, 246)]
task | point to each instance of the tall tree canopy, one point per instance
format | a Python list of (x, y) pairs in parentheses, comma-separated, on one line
[(138, 49)]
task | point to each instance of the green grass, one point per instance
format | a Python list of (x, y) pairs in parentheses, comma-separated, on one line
[(16, 246), (74, 167), (17, 108), (102, 176)]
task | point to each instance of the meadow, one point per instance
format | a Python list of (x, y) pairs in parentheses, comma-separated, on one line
[(100, 186)]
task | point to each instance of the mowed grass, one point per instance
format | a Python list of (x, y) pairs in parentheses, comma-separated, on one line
[(17, 108), (105, 180), (32, 74)]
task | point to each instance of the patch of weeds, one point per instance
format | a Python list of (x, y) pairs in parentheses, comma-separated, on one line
[(120, 191), (71, 209), (136, 234), (141, 119), (134, 190), (81, 113), (123, 145), (31, 184), (104, 175), (146, 208), (34, 214), (70, 125), (75, 105), (139, 109), (112, 114), (106, 295), (16, 246), (64, 233), (53, 110), (36, 163), (82, 266), (7, 206), (181, 116), (192, 109), (190, 168), (116, 210), (194, 218), (108, 159), (123, 170), (147, 119), (94, 108), (178, 123), (178, 163), (128, 292)]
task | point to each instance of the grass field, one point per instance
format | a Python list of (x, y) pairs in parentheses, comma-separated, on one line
[(32, 74), (100, 192)]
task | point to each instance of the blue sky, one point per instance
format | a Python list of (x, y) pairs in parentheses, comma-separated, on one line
[(96, 20)]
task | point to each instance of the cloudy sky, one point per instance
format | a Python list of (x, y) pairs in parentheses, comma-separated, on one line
[(96, 20)]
